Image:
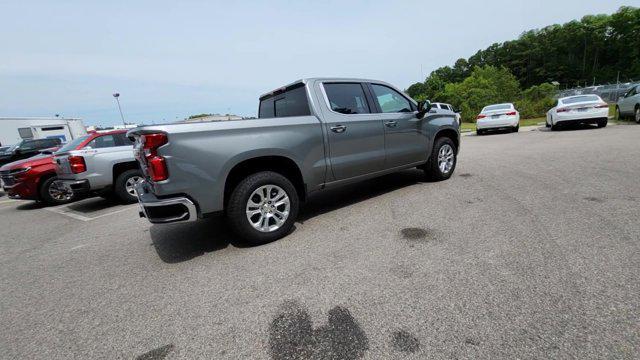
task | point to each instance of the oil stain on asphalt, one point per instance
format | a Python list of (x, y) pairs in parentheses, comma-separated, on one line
[(157, 353), (405, 342), (292, 336), (594, 199)]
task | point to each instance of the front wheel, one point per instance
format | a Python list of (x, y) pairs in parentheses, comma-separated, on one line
[(442, 161), (638, 114), (263, 207), (618, 116), (52, 192)]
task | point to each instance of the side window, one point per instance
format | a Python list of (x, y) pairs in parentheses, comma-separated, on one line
[(347, 98), (390, 101), (104, 141), (631, 92), (292, 102)]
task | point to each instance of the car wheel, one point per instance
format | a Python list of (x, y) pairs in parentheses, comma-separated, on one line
[(638, 114), (53, 193), (554, 127), (124, 188), (479, 132), (617, 115), (263, 207), (442, 161), (602, 123), (516, 128)]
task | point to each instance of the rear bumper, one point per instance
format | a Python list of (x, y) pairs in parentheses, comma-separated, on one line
[(79, 187), (162, 211), (580, 121), (502, 123)]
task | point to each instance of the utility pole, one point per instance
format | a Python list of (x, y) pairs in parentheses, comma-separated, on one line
[(117, 96)]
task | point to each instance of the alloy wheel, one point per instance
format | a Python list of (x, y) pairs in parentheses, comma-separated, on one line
[(130, 185), (59, 192), (446, 158), (268, 208)]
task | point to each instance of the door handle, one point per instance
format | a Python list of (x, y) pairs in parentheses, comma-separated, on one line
[(338, 128), (391, 123)]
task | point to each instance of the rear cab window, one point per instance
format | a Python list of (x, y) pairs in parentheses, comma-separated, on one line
[(290, 101)]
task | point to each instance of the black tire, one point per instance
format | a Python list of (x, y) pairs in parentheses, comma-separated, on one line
[(432, 170), (479, 132), (47, 190), (637, 114), (516, 128), (602, 123), (618, 116), (237, 207), (554, 127), (120, 186)]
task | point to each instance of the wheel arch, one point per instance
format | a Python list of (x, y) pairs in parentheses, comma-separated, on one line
[(119, 168), (450, 133), (280, 164)]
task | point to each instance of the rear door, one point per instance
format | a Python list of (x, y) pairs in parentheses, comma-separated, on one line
[(405, 142), (355, 132)]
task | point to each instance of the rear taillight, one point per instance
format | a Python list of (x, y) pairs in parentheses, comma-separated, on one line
[(481, 116), (77, 164), (562, 110), (600, 106), (511, 113), (156, 164)]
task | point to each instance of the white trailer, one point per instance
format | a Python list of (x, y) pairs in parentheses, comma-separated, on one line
[(13, 130)]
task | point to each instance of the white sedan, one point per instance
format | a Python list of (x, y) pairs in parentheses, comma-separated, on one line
[(497, 117), (579, 109)]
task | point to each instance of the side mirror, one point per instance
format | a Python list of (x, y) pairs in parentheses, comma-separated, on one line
[(423, 108)]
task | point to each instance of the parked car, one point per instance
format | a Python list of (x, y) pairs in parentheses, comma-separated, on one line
[(311, 135), (34, 179), (449, 107), (629, 104), (579, 109), (103, 165), (498, 117), (26, 149)]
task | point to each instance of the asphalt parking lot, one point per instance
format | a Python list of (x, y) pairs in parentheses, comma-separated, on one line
[(531, 250)]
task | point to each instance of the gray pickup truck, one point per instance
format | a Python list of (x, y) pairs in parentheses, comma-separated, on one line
[(310, 135)]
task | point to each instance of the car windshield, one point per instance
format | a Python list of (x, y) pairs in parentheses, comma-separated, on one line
[(579, 99), (73, 144), (497, 107)]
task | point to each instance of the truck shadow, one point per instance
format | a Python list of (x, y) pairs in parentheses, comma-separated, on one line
[(333, 199), (181, 242)]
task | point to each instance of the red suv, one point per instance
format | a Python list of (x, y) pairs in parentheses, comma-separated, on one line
[(35, 178)]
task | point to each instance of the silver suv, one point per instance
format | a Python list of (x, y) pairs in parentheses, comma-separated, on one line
[(629, 104)]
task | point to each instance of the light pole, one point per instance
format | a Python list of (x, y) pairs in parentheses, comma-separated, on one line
[(117, 96)]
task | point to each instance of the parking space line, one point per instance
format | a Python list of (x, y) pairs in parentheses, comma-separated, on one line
[(59, 210), (8, 201)]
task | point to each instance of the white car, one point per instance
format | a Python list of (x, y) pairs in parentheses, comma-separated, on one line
[(443, 106), (579, 109), (498, 117)]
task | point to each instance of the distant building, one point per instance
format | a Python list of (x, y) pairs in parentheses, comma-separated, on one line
[(15, 129)]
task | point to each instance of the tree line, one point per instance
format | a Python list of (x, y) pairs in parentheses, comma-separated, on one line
[(594, 50)]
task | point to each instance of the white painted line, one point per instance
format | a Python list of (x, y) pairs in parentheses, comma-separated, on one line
[(8, 201), (60, 210), (78, 247)]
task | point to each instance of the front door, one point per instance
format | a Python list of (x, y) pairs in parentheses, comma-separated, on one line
[(405, 142), (355, 133)]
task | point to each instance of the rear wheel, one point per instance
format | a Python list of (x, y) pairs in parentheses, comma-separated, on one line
[(638, 114), (602, 123), (516, 128), (263, 207), (553, 127), (618, 116), (479, 132), (442, 161), (124, 187), (53, 193)]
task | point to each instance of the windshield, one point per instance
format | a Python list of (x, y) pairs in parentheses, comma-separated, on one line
[(579, 99), (497, 107), (73, 144)]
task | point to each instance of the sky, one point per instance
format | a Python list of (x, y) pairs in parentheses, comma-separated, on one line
[(172, 59)]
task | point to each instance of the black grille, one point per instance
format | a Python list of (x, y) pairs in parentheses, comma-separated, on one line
[(8, 180)]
